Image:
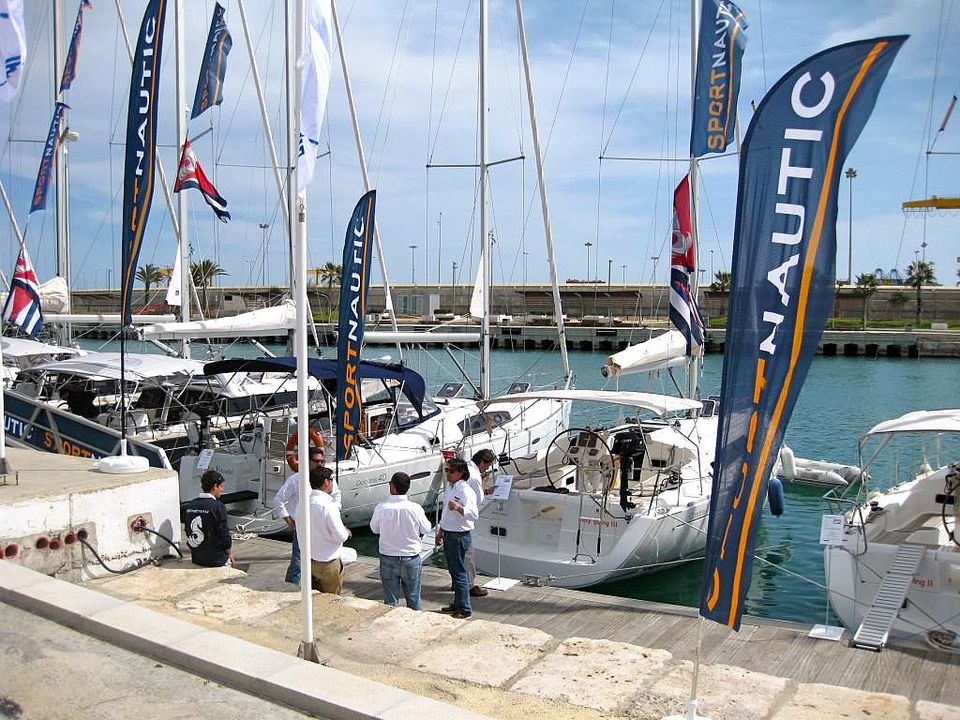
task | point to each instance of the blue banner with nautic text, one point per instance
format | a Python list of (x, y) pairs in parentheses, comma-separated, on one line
[(782, 288), (214, 67), (39, 201), (141, 147), (719, 55), (73, 54), (350, 326)]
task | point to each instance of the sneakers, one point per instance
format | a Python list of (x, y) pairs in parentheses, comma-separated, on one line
[(462, 615), (477, 591), (448, 609)]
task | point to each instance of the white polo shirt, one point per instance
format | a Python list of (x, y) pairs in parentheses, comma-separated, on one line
[(453, 520), (287, 499), (327, 531), (400, 523)]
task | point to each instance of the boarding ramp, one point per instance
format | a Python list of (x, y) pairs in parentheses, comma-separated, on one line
[(875, 628)]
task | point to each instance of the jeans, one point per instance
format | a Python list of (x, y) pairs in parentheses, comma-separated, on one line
[(400, 574), (293, 571), (455, 546)]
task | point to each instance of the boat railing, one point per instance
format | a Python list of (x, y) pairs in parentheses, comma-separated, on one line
[(837, 504)]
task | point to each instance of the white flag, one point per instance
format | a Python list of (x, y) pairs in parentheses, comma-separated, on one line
[(13, 47), (318, 51), (478, 301), (173, 287)]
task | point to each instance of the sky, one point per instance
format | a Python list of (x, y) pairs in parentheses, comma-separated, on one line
[(610, 78)]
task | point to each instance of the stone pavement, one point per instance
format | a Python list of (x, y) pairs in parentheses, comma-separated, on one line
[(478, 666)]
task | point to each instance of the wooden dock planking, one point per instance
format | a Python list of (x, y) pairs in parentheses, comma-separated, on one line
[(762, 645)]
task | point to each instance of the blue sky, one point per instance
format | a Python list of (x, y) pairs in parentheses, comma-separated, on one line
[(610, 79)]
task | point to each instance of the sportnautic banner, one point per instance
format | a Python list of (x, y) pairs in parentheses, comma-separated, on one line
[(782, 288), (214, 68), (353, 309), (138, 168), (719, 55)]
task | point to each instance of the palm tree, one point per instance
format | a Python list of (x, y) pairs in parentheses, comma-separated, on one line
[(149, 275), (722, 283), (866, 288), (898, 300), (920, 273), (204, 273), (331, 272)]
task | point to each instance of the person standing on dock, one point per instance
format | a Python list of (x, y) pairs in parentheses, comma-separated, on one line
[(206, 521), (400, 524), (327, 534), (479, 466), (459, 515), (287, 499)]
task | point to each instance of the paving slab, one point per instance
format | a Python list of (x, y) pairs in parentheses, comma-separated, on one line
[(395, 636), (170, 580), (815, 701), (482, 652), (936, 711), (723, 691), (236, 603), (599, 674)]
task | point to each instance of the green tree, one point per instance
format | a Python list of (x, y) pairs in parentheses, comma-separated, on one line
[(149, 275), (204, 273), (898, 300), (331, 273), (723, 281), (866, 288), (920, 273)]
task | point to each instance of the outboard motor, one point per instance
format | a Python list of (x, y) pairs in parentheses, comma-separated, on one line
[(629, 447)]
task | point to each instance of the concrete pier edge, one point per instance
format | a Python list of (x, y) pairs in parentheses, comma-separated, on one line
[(229, 661)]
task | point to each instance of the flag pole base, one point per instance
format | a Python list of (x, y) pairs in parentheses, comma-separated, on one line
[(308, 651), (123, 464), (691, 713)]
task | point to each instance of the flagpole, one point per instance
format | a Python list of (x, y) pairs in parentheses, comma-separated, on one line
[(183, 208)]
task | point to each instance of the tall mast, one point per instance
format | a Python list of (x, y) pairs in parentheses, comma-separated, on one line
[(545, 206), (183, 208), (485, 246), (693, 369), (62, 187)]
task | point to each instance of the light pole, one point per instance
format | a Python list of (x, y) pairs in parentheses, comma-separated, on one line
[(250, 271), (609, 270), (712, 276), (588, 245), (453, 285), (439, 246), (850, 174), (623, 275), (263, 248), (525, 253), (413, 264)]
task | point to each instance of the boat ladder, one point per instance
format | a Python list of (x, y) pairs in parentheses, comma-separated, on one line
[(875, 628)]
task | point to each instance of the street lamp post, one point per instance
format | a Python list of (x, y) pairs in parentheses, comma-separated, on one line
[(609, 270), (588, 245), (263, 248), (413, 263), (623, 275), (850, 174), (439, 247), (712, 276), (525, 253), (453, 285)]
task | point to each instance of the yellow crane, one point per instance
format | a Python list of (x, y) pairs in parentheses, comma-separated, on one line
[(933, 203)]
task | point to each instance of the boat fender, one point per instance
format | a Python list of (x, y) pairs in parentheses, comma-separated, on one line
[(788, 465), (316, 440), (775, 496)]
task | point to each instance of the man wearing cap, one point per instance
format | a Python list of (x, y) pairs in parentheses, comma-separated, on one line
[(287, 499)]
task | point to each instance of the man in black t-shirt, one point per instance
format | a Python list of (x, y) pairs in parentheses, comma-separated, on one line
[(206, 524)]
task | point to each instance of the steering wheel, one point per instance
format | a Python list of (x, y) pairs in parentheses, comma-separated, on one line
[(251, 417), (583, 448)]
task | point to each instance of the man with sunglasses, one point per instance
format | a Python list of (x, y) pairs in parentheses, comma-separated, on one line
[(285, 504), (456, 523)]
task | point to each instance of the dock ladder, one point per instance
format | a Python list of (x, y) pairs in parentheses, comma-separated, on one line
[(875, 628)]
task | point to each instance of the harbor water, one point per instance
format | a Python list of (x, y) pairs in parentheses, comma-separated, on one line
[(842, 398)]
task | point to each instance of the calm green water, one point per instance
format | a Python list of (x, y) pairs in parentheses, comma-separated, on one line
[(842, 398)]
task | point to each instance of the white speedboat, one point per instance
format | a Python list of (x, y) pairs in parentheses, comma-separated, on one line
[(896, 577), (606, 503)]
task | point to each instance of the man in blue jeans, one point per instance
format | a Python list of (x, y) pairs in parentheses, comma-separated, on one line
[(459, 515), (400, 524)]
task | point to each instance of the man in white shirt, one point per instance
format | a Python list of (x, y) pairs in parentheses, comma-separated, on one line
[(456, 523), (400, 525), (285, 504), (479, 465), (327, 534)]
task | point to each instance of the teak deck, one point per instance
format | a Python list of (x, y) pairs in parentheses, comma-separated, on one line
[(769, 646)]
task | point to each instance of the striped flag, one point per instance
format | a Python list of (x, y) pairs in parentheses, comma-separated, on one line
[(191, 175), (23, 302), (684, 312), (70, 66)]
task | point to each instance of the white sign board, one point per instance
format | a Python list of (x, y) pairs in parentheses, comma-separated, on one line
[(501, 488), (204, 458), (831, 530)]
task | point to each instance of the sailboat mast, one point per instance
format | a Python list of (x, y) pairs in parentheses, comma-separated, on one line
[(183, 207), (693, 369), (485, 245), (63, 251), (544, 204)]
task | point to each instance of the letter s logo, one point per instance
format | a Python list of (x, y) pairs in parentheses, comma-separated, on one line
[(195, 538)]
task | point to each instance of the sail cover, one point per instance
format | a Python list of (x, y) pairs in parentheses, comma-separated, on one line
[(782, 288), (265, 322)]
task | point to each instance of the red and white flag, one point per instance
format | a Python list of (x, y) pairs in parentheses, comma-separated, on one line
[(684, 312), (23, 302), (191, 175)]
